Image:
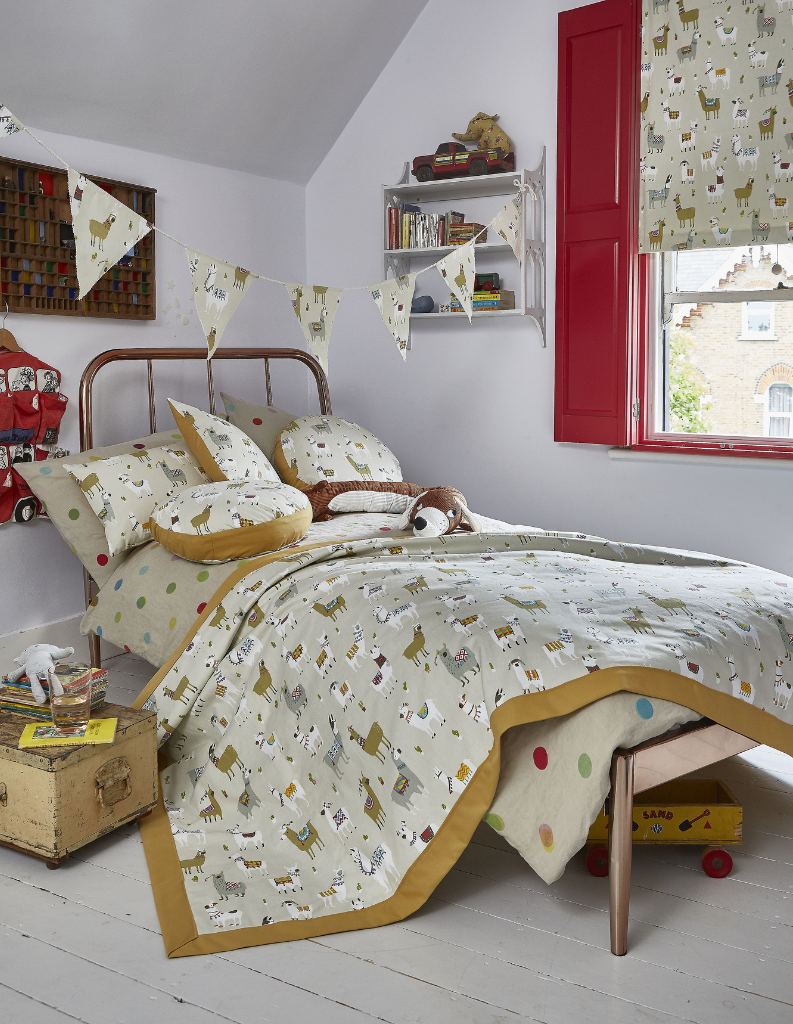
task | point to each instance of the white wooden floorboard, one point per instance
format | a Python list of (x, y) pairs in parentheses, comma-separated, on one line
[(19, 1007), (493, 944)]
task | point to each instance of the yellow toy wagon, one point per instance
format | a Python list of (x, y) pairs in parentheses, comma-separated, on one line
[(687, 812)]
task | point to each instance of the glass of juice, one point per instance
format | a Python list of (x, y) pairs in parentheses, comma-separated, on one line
[(71, 710)]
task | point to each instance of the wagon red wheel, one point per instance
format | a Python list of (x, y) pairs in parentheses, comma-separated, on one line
[(597, 861), (716, 863)]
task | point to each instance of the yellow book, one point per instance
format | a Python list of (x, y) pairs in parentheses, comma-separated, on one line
[(100, 730)]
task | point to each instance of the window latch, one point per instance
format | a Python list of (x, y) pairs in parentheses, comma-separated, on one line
[(636, 411)]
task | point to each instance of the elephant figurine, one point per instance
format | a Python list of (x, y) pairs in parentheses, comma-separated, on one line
[(38, 663), (483, 130)]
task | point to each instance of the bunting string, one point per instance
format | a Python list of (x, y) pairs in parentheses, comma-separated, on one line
[(219, 286)]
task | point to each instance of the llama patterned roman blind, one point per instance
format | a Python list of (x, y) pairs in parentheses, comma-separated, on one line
[(716, 124)]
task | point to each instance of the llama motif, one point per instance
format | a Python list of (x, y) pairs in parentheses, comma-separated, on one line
[(216, 297)]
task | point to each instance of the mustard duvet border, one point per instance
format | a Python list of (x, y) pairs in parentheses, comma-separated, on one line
[(180, 935)]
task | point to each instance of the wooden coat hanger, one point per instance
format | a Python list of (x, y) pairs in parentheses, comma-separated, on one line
[(7, 339)]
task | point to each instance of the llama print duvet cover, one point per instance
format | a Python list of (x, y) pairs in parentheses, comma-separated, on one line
[(331, 727)]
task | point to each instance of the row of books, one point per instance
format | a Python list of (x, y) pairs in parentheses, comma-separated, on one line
[(481, 301), (409, 228), (18, 697)]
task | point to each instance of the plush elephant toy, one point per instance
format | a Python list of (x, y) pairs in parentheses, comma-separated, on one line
[(38, 663), (484, 131)]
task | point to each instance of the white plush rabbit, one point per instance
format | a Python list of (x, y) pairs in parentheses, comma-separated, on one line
[(38, 663)]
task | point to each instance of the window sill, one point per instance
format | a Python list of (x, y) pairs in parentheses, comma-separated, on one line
[(758, 337), (727, 459)]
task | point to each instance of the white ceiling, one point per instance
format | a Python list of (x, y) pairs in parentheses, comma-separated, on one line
[(265, 86)]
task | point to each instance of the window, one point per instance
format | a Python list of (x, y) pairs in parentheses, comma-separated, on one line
[(758, 320), (661, 352)]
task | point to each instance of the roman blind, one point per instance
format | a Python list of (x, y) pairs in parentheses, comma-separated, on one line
[(715, 161)]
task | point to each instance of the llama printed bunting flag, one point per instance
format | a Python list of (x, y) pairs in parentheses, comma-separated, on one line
[(104, 230), (509, 224), (458, 269), (315, 307), (715, 166), (218, 288), (9, 124), (393, 298)]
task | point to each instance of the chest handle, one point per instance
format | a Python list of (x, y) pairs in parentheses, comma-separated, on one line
[(112, 782)]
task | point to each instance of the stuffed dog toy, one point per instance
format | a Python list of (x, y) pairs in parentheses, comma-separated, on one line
[(438, 511)]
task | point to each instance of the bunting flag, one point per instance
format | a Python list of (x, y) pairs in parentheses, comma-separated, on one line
[(393, 298), (8, 123), (218, 288), (104, 229), (458, 270), (315, 307), (509, 224)]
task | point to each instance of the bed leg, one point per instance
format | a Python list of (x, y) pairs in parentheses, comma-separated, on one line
[(620, 849), (90, 588)]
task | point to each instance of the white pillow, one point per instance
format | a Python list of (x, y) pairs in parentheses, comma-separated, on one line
[(314, 449), (370, 501), (124, 490), (224, 451), (227, 520)]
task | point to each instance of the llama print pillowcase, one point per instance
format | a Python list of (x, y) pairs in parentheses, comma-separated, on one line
[(224, 451), (313, 449), (124, 490)]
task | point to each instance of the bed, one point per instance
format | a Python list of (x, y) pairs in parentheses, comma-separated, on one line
[(371, 766)]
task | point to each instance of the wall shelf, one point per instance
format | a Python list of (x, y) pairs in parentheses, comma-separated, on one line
[(531, 299)]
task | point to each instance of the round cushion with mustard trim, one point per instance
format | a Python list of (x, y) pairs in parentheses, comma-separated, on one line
[(231, 519), (313, 449)]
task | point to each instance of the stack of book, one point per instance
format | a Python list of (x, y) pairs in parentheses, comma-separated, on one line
[(18, 697), (459, 234), (482, 301), (409, 228)]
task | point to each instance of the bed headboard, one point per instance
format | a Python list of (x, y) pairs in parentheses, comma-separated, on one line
[(152, 355)]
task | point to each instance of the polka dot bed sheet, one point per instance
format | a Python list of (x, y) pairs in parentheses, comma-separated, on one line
[(564, 764)]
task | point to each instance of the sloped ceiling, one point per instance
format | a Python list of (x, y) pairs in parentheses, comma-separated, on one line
[(264, 86)]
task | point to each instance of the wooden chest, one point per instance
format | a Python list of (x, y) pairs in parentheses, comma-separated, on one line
[(53, 800)]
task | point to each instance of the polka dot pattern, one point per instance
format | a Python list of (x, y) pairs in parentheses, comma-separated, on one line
[(540, 757), (74, 513), (546, 838), (45, 470), (170, 588), (117, 585), (584, 766), (141, 602), (102, 559), (644, 708), (143, 570)]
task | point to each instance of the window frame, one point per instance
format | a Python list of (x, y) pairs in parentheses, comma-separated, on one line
[(651, 372), (746, 334)]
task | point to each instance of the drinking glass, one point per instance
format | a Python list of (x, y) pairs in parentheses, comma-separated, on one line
[(71, 711)]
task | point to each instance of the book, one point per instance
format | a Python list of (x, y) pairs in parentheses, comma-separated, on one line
[(485, 300), (18, 697), (100, 730)]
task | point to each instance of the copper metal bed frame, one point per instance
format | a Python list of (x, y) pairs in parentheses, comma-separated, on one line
[(633, 770), (152, 355)]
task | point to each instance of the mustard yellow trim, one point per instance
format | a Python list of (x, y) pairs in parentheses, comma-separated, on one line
[(176, 919), (283, 468), (244, 542), (196, 445), (179, 931)]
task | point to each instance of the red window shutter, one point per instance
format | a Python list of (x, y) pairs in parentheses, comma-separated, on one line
[(597, 243)]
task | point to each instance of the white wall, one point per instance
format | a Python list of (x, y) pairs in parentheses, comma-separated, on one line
[(251, 221), (473, 406)]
